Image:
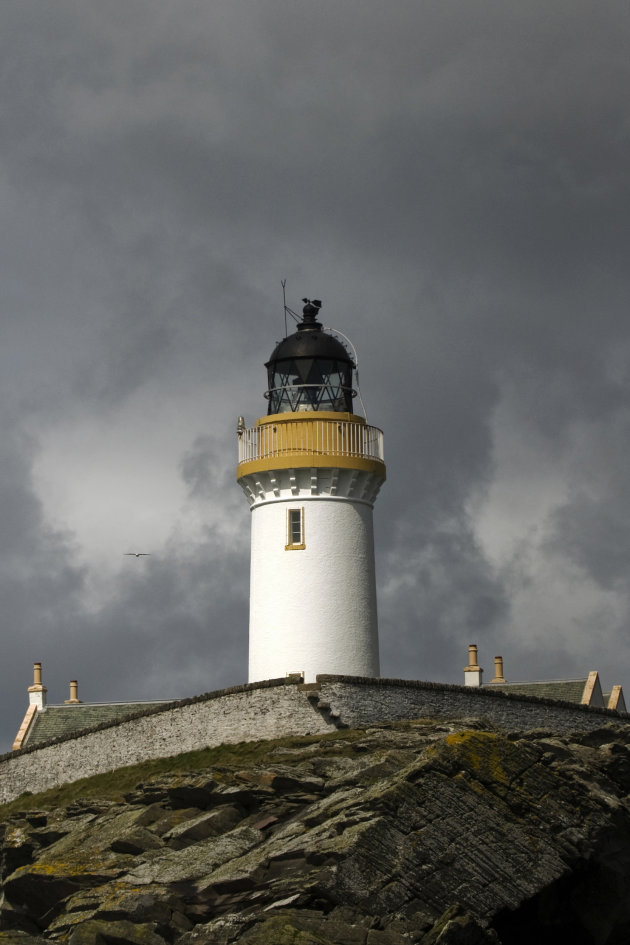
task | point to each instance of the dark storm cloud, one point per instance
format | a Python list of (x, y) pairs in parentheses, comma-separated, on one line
[(40, 585), (36, 562), (177, 628), (592, 528), (438, 595), (204, 470), (177, 621), (450, 178), (173, 624), (594, 534)]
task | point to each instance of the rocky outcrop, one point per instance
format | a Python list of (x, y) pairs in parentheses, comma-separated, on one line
[(434, 833)]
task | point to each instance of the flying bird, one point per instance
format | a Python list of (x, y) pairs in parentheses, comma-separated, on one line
[(137, 554)]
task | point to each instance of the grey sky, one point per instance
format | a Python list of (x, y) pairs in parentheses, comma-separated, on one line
[(452, 180)]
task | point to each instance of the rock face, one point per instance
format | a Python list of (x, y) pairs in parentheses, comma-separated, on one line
[(434, 833)]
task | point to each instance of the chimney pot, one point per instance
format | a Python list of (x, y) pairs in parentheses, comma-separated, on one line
[(74, 689), (37, 692), (473, 673), (498, 670)]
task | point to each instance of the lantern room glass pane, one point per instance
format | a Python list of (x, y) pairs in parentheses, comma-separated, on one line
[(310, 384)]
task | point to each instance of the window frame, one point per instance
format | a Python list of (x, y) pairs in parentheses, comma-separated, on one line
[(292, 545)]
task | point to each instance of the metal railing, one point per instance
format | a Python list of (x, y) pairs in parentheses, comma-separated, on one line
[(324, 437)]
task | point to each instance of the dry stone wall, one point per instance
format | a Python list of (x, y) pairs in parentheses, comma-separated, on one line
[(277, 708)]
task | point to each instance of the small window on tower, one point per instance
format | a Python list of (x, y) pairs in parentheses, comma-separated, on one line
[(295, 530)]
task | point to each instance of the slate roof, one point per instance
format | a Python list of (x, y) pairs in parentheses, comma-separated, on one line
[(57, 721), (565, 690)]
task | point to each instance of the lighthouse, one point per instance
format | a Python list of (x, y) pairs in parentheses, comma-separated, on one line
[(311, 469)]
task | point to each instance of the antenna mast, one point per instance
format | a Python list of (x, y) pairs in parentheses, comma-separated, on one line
[(295, 317), (284, 304)]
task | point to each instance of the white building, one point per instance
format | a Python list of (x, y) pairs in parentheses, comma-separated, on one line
[(311, 470)]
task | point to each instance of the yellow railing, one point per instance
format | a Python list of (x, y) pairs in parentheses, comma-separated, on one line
[(323, 437)]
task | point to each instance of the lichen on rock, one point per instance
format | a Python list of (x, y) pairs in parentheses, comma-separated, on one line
[(415, 833)]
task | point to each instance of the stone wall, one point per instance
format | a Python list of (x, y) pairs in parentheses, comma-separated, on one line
[(274, 709), (359, 702), (245, 713)]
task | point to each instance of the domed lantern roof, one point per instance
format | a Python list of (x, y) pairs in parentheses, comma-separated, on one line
[(310, 369)]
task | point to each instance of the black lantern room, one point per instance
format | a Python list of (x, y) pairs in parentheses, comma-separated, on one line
[(310, 370)]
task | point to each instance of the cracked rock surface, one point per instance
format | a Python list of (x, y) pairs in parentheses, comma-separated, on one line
[(414, 833)]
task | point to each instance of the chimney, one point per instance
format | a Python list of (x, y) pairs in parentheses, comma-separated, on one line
[(498, 670), (37, 692), (473, 673), (74, 690)]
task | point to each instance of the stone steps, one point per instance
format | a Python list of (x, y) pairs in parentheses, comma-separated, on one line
[(324, 707)]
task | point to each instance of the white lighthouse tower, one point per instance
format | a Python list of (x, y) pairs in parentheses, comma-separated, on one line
[(311, 470)]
